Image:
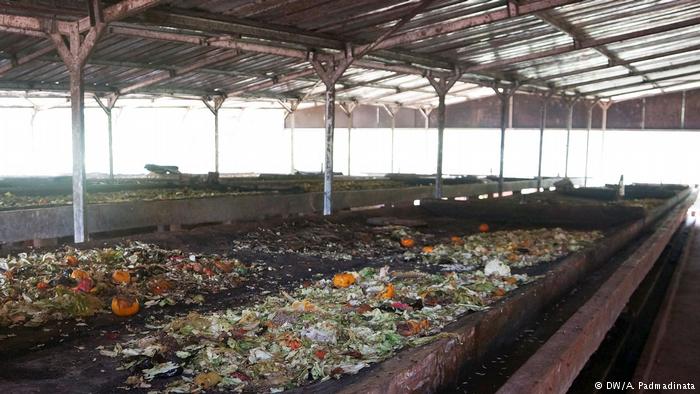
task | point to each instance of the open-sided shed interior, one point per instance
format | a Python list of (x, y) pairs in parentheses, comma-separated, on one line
[(386, 282), (439, 259)]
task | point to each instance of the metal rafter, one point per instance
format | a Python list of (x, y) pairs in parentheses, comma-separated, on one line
[(579, 35)]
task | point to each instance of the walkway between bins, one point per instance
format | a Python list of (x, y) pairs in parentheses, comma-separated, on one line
[(672, 352)]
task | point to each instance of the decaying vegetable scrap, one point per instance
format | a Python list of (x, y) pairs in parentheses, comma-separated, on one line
[(320, 331), (69, 283), (517, 248)]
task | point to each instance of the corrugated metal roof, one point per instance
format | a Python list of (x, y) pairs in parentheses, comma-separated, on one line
[(616, 49)]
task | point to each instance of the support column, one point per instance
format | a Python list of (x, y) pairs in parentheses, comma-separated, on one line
[(292, 170), (570, 102), (504, 95), (543, 124), (330, 71), (589, 124), (77, 104), (426, 111), (328, 168), (74, 54), (391, 111), (107, 108), (214, 107), (348, 108), (442, 85), (291, 108), (604, 106)]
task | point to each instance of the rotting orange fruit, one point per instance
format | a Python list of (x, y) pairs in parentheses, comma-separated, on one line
[(159, 286), (428, 249), (223, 266), (71, 260), (121, 277), (343, 280), (457, 240), (42, 285), (412, 327), (484, 228), (388, 292), (124, 306), (499, 292), (511, 280), (407, 242), (79, 274)]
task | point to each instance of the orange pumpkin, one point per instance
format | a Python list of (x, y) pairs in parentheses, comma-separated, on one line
[(125, 306), (71, 260), (343, 280), (121, 277), (457, 240), (427, 249), (79, 274), (484, 228), (407, 242), (388, 292)]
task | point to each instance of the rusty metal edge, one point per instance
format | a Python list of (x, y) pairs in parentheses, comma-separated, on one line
[(556, 364), (646, 361)]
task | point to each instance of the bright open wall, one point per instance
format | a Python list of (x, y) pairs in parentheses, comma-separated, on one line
[(255, 141)]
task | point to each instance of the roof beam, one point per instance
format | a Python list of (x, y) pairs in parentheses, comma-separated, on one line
[(121, 10), (628, 61), (601, 92), (30, 25), (164, 76), (442, 28), (20, 60), (579, 35), (649, 71), (585, 44)]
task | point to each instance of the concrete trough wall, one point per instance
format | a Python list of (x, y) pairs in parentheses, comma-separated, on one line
[(56, 222)]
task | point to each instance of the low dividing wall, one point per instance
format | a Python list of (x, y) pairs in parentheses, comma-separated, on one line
[(56, 222)]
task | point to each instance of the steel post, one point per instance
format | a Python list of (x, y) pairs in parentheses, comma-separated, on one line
[(588, 136), (216, 141), (569, 123), (328, 169), (111, 150), (441, 132), (350, 119), (77, 100), (505, 100), (291, 143), (543, 124), (393, 127)]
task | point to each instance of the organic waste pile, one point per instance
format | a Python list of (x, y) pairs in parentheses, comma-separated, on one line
[(515, 248), (327, 240), (389, 243), (71, 283), (321, 330), (13, 201)]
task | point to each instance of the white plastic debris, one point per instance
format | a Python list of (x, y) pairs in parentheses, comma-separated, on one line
[(496, 267)]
